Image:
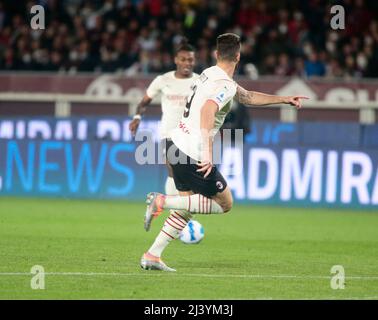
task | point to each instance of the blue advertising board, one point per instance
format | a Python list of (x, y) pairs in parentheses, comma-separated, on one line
[(303, 176), (316, 164), (330, 134), (73, 169), (346, 177)]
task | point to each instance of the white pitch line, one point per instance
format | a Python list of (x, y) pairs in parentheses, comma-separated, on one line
[(352, 298), (203, 275)]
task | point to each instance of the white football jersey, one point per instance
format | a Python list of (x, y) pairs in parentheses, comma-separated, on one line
[(174, 92), (213, 84)]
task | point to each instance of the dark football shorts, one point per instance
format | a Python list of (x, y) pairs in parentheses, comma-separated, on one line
[(186, 176)]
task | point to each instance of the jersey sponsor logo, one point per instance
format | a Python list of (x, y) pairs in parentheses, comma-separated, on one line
[(176, 97)]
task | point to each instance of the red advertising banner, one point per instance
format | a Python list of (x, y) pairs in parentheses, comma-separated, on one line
[(113, 85), (346, 95)]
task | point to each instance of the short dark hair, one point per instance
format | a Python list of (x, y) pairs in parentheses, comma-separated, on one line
[(184, 46), (228, 46)]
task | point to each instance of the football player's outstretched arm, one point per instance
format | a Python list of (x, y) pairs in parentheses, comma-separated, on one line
[(141, 109), (260, 99), (207, 125)]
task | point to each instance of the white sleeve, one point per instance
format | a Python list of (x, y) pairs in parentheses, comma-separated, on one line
[(154, 87), (222, 94)]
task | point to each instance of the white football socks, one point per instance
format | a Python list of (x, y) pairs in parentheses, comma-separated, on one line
[(170, 187), (196, 203), (172, 227), (181, 208)]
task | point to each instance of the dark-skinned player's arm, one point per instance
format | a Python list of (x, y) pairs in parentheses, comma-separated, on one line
[(141, 109), (207, 124), (261, 99)]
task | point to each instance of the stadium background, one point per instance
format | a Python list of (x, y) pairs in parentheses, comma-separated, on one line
[(67, 94)]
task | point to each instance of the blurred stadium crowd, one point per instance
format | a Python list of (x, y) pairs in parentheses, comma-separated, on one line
[(281, 38)]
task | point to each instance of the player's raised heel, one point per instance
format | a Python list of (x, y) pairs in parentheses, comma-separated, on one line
[(154, 208), (148, 263), (150, 197)]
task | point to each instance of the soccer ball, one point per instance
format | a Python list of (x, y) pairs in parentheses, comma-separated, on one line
[(192, 233)]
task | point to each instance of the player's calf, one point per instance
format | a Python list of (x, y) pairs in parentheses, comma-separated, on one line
[(224, 199), (196, 203)]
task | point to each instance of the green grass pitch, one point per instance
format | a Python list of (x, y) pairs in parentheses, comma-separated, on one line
[(91, 250)]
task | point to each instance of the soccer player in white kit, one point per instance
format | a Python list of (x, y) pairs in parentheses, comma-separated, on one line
[(174, 88), (201, 186)]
